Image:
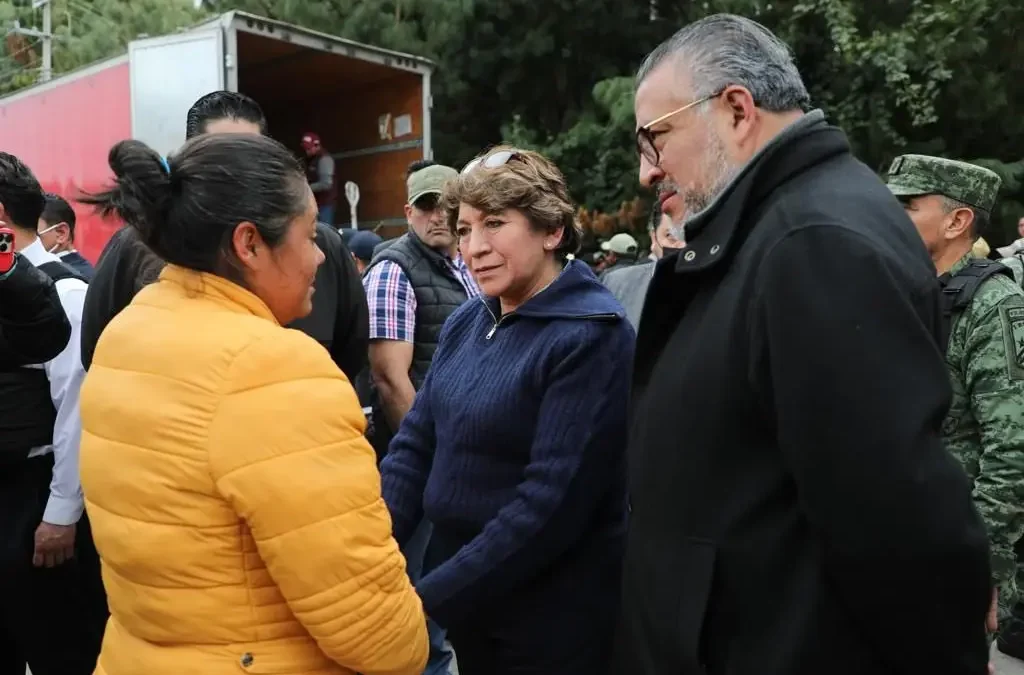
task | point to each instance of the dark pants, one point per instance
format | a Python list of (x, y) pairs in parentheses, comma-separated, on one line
[(48, 617), (418, 562), (501, 648), (325, 214), (559, 622)]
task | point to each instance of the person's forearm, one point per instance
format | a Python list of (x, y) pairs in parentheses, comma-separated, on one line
[(396, 395)]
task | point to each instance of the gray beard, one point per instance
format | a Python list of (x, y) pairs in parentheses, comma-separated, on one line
[(720, 173)]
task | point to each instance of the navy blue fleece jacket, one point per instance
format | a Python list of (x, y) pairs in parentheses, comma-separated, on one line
[(515, 446)]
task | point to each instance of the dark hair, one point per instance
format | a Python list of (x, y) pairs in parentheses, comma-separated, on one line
[(187, 210), (418, 165), (220, 105), (20, 193), (57, 210)]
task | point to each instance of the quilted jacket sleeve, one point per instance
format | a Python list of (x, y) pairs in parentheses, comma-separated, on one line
[(287, 451)]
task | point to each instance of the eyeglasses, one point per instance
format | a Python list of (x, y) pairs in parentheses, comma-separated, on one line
[(645, 137), (492, 161)]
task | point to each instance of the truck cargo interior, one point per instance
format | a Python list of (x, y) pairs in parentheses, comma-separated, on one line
[(369, 116)]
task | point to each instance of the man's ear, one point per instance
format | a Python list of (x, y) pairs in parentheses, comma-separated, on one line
[(3, 214), (961, 221)]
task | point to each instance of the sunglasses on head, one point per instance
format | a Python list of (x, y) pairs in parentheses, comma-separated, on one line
[(492, 161)]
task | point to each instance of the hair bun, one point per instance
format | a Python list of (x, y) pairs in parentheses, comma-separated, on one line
[(141, 194)]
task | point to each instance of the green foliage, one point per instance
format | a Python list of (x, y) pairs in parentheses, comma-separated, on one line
[(597, 152), (86, 31)]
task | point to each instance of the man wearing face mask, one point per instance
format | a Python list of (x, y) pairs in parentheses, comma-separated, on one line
[(412, 286), (57, 232), (803, 499)]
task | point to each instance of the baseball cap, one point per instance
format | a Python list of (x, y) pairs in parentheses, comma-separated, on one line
[(918, 175), (429, 180), (621, 244), (362, 244)]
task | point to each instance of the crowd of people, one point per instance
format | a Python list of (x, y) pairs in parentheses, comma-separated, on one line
[(246, 441)]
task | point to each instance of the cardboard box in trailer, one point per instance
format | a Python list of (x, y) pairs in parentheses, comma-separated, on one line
[(370, 106)]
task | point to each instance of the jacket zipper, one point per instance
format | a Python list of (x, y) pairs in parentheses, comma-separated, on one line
[(496, 320)]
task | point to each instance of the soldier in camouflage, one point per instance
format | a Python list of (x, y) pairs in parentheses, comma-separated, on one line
[(950, 203)]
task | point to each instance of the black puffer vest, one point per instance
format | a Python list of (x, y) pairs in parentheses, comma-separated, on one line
[(27, 414), (438, 293)]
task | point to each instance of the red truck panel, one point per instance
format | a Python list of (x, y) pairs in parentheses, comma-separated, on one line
[(64, 134)]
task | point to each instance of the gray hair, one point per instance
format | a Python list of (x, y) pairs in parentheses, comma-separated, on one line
[(725, 49), (981, 216)]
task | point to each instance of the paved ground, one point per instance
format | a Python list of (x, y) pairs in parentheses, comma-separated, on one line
[(1006, 665)]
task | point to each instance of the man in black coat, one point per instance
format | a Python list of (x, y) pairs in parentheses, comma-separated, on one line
[(793, 511)]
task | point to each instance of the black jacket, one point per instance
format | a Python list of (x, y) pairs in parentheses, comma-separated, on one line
[(33, 325), (793, 510), (125, 266), (339, 320), (77, 262)]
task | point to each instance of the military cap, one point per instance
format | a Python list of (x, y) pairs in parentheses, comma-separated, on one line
[(917, 175)]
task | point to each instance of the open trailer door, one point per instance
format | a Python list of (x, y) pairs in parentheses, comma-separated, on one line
[(168, 74), (370, 106)]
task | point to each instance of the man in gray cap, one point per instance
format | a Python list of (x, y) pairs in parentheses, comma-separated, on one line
[(950, 203), (620, 251), (412, 286)]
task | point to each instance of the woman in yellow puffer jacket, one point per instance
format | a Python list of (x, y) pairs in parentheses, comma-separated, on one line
[(234, 502)]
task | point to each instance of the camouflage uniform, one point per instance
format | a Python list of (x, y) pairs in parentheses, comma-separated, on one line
[(984, 428)]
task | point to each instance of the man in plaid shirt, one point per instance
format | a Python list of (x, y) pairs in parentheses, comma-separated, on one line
[(412, 286)]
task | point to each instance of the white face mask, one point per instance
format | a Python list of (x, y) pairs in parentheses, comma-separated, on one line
[(51, 228)]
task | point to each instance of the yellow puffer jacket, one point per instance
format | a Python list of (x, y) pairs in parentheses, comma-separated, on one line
[(234, 501)]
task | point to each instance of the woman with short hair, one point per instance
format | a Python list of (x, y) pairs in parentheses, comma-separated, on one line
[(514, 447), (233, 499)]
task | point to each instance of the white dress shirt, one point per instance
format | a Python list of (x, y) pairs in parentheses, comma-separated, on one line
[(65, 373)]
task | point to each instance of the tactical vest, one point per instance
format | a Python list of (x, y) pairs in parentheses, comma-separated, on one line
[(438, 293), (27, 414), (959, 289)]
